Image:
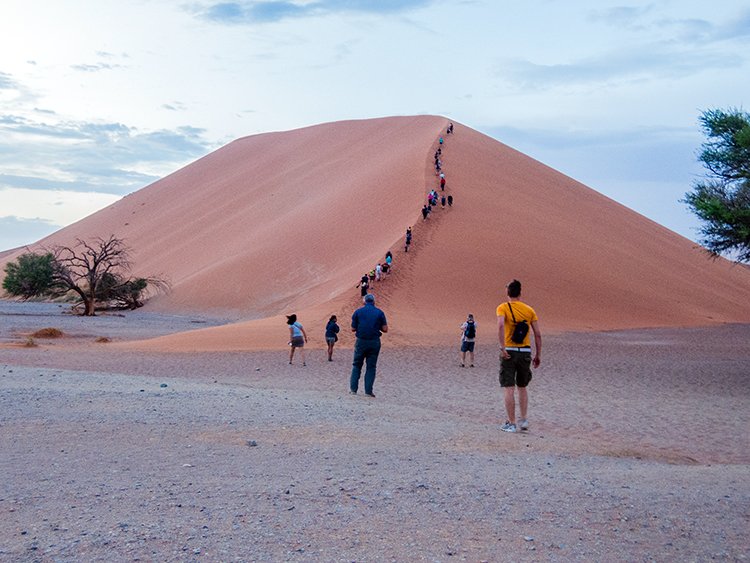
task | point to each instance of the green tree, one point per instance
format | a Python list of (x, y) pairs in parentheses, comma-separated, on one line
[(722, 201), (31, 276), (123, 293), (94, 271)]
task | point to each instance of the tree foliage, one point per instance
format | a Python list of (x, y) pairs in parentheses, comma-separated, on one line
[(30, 276), (722, 201), (95, 271)]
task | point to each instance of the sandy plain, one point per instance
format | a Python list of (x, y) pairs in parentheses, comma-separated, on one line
[(638, 449)]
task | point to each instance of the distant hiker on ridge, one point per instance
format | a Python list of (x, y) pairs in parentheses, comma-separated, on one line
[(363, 285), (407, 243)]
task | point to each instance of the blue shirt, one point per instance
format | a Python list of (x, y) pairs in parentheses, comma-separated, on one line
[(367, 321)]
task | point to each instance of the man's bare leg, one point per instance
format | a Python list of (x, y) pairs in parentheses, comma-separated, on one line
[(523, 401), (510, 403)]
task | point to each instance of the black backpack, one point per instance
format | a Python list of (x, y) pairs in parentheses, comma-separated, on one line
[(471, 330), (520, 329)]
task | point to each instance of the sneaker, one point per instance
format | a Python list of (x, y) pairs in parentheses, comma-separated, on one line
[(508, 427), (370, 395), (523, 424), (352, 392)]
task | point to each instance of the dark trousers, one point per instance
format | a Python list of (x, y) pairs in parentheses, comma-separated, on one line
[(364, 351)]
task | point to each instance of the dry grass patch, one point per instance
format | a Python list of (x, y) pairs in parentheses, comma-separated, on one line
[(47, 333), (29, 343)]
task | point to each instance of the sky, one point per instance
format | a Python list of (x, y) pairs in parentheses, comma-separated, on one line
[(99, 99)]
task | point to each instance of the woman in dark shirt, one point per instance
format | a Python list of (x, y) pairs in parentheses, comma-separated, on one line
[(332, 330)]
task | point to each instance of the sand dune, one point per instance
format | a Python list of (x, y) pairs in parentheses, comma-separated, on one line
[(288, 222)]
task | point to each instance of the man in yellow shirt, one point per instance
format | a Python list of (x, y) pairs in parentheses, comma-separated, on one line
[(515, 354)]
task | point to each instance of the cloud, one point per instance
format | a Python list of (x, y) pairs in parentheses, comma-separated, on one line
[(174, 106), (7, 82), (630, 17), (648, 61), (696, 30), (102, 65), (95, 67), (88, 156), (266, 11), (738, 28), (16, 232)]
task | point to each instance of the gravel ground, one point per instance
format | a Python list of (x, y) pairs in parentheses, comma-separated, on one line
[(638, 451)]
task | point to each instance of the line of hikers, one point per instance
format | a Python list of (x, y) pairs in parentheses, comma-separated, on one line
[(383, 269)]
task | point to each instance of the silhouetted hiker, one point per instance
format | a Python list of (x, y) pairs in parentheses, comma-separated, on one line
[(388, 257), (297, 338), (450, 129), (368, 323), (441, 140), (513, 321), (442, 182), (425, 213), (386, 269), (372, 276), (332, 331), (442, 202), (408, 239), (363, 285), (450, 201)]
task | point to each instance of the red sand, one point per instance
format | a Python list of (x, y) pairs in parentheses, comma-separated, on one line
[(288, 222)]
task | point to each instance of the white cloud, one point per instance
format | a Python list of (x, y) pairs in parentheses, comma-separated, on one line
[(15, 232), (60, 207)]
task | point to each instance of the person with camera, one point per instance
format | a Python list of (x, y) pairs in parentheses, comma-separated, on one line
[(514, 319)]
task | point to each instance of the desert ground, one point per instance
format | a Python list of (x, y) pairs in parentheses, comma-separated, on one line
[(638, 449)]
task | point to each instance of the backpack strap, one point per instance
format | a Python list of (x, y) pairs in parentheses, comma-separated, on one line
[(511, 313)]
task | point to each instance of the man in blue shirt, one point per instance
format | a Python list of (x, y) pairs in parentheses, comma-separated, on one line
[(368, 323)]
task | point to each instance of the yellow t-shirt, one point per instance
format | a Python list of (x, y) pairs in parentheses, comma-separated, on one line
[(522, 312)]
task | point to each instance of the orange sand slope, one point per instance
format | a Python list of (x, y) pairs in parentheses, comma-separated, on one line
[(288, 222)]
